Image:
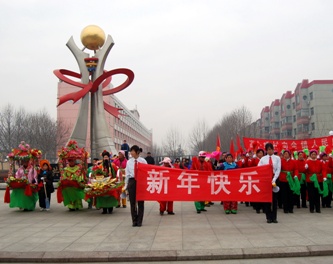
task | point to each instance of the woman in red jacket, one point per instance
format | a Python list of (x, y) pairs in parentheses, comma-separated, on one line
[(315, 173), (289, 170), (301, 176)]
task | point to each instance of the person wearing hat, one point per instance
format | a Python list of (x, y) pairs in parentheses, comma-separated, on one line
[(288, 175), (166, 205), (300, 161), (107, 202), (275, 162), (45, 184), (200, 163), (315, 175), (121, 163), (73, 195), (18, 198)]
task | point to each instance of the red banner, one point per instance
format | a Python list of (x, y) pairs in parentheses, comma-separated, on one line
[(156, 183), (290, 144)]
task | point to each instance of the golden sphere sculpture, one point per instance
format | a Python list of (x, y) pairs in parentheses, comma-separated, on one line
[(92, 37)]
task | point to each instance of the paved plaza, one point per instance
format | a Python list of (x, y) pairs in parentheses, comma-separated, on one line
[(83, 236)]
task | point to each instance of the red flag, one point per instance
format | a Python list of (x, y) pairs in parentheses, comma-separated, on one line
[(240, 149), (218, 143), (232, 148)]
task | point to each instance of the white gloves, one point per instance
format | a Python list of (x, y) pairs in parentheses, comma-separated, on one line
[(243, 160), (306, 166), (254, 156), (295, 177), (325, 179)]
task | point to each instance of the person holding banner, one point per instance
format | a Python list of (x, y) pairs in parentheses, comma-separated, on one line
[(288, 182), (315, 176), (259, 154), (200, 163), (166, 205), (275, 161), (137, 207), (229, 206)]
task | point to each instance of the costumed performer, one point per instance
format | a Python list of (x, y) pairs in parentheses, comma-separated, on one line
[(24, 197), (73, 176), (107, 202)]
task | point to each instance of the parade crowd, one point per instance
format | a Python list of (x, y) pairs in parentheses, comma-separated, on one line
[(300, 179)]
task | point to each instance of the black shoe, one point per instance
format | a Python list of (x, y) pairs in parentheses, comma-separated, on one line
[(285, 211), (328, 206), (291, 211), (124, 206), (110, 210), (207, 205), (304, 206), (203, 210), (104, 212), (269, 221), (275, 221), (323, 206), (70, 209), (211, 203), (198, 212), (311, 211), (135, 224), (161, 213), (258, 211), (118, 206), (171, 213), (298, 206), (139, 225), (318, 211)]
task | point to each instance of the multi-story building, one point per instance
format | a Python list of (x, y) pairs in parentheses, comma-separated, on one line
[(306, 113), (128, 126)]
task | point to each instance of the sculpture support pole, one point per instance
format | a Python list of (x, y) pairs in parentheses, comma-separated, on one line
[(99, 129), (79, 133)]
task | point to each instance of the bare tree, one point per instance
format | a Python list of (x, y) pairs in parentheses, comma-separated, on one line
[(174, 143), (198, 135), (39, 130), (228, 127)]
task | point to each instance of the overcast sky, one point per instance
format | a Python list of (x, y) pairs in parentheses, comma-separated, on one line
[(193, 60)]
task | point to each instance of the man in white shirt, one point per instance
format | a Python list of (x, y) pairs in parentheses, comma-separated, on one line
[(275, 161)]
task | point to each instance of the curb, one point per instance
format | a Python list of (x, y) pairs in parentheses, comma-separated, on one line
[(170, 255)]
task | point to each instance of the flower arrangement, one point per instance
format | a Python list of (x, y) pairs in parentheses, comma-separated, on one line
[(24, 152), (106, 186), (71, 150)]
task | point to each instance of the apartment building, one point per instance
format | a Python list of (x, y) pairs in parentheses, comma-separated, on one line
[(307, 112)]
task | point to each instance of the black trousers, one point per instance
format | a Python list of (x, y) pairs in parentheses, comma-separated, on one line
[(41, 197), (286, 197), (314, 196), (327, 201), (137, 207), (271, 208)]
